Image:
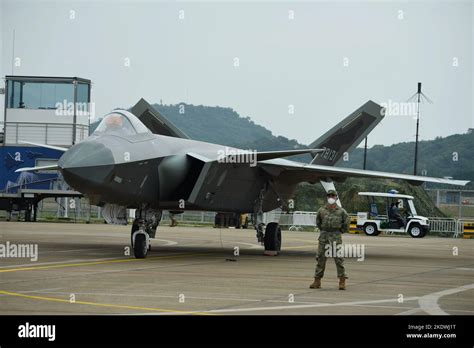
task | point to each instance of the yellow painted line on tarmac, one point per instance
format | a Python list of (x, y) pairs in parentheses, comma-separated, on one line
[(93, 263), (108, 305)]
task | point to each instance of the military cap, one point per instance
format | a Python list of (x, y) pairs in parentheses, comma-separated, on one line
[(331, 193)]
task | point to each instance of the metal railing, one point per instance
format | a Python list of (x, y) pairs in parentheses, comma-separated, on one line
[(194, 217), (297, 220), (443, 225), (15, 187), (45, 133)]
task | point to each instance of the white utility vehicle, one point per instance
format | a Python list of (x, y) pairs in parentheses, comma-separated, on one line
[(383, 216)]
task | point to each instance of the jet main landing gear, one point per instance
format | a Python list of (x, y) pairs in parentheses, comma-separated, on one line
[(271, 239)]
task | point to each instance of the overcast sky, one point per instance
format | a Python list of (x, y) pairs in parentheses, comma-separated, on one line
[(320, 60)]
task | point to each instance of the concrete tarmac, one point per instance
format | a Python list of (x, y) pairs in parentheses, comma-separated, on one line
[(89, 269)]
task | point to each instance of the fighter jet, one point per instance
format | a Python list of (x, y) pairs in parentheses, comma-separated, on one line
[(140, 160)]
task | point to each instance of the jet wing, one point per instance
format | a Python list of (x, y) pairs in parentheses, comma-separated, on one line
[(32, 169), (266, 155), (294, 171), (244, 156)]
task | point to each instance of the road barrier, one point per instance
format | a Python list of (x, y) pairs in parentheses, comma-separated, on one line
[(353, 226), (444, 226), (468, 229)]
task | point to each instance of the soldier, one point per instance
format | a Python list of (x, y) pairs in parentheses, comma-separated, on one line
[(332, 221)]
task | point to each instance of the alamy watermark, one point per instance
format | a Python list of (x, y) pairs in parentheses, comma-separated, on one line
[(37, 331), (81, 109), (231, 155), (345, 251), (393, 108), (13, 250)]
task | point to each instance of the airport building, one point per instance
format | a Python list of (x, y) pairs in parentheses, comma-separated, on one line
[(44, 110)]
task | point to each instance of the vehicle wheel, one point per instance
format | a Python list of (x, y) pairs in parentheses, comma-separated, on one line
[(415, 231), (272, 237), (140, 248), (371, 230)]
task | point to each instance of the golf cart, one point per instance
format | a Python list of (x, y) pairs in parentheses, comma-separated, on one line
[(397, 214)]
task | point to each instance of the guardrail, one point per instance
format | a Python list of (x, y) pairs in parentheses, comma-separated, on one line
[(194, 217), (15, 187), (45, 133), (447, 226)]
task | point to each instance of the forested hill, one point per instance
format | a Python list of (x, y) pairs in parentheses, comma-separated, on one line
[(449, 156), (223, 126)]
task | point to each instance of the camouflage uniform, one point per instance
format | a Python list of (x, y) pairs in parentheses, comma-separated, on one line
[(332, 222)]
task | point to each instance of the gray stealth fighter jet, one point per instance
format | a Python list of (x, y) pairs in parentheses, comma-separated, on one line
[(148, 164)]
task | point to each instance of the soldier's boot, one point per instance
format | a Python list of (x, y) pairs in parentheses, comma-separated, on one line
[(342, 283), (316, 284)]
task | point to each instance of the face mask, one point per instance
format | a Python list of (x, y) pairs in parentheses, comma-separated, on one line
[(331, 200)]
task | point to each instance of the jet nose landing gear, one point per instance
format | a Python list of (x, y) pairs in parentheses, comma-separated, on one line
[(140, 244), (144, 228)]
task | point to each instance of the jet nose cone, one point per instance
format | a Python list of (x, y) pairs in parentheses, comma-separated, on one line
[(86, 163)]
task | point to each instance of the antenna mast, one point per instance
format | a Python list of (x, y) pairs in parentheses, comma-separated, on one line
[(419, 98)]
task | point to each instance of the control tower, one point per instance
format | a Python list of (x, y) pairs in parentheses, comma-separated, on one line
[(44, 110), (47, 110)]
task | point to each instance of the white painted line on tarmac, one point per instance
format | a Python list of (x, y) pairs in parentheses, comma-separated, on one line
[(340, 304), (364, 306), (167, 242), (429, 303), (410, 312)]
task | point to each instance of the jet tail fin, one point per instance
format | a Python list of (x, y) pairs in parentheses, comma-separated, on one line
[(155, 121), (347, 134)]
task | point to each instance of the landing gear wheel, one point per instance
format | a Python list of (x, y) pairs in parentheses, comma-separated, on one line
[(140, 249), (134, 229), (371, 230), (415, 231), (272, 241)]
